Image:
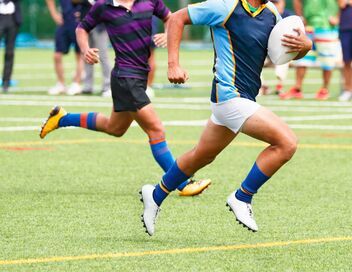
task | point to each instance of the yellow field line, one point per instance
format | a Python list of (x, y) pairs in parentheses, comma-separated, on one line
[(174, 251), (177, 142)]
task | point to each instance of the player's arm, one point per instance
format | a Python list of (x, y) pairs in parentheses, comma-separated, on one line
[(160, 39), (297, 43), (176, 25), (91, 20), (90, 55), (57, 17)]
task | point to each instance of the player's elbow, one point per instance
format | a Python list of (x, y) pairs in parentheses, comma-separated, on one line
[(180, 18)]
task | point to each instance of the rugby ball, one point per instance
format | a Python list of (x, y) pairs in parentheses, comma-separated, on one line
[(276, 51)]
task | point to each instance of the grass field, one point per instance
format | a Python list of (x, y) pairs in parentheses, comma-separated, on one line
[(70, 202)]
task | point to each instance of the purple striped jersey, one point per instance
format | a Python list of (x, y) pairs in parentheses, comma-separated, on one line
[(129, 32)]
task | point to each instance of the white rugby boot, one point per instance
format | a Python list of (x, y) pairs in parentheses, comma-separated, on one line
[(74, 89), (243, 212), (345, 96), (59, 88), (151, 209)]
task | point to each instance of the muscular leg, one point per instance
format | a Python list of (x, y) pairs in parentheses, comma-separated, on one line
[(151, 124), (266, 126), (212, 141), (116, 125)]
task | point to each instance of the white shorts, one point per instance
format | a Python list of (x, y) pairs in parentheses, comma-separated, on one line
[(233, 113)]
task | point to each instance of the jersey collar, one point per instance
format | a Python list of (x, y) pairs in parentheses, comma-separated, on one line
[(254, 14)]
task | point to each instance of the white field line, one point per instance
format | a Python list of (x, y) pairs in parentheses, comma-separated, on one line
[(318, 117), (190, 123), (195, 123), (100, 104), (169, 106), (46, 66), (265, 101)]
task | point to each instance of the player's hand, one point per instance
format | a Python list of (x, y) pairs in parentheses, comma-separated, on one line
[(91, 56), (58, 19), (176, 74), (297, 43), (160, 40), (334, 20)]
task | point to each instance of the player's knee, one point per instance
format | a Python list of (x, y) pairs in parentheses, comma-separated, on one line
[(156, 131), (289, 147), (117, 132)]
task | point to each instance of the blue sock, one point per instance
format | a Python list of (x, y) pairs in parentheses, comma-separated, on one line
[(250, 186), (170, 181), (164, 158), (84, 120)]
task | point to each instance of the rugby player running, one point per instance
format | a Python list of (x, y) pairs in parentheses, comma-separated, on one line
[(240, 31), (128, 23)]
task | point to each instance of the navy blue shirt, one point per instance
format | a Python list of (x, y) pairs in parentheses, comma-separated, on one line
[(70, 12)]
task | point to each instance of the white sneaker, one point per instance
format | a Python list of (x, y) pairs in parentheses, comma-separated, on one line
[(106, 93), (75, 88), (345, 96), (243, 212), (59, 88), (150, 92), (151, 209)]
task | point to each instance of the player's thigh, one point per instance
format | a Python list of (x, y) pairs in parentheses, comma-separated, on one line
[(148, 120), (266, 126), (213, 140), (119, 122)]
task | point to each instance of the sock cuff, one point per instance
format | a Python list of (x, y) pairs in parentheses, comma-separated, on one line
[(157, 142), (174, 177), (163, 187)]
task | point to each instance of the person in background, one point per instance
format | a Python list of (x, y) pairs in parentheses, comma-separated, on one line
[(158, 40), (98, 38), (320, 18), (346, 42), (65, 36), (281, 71), (10, 20)]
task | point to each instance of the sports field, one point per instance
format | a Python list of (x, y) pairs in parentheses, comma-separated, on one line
[(70, 202)]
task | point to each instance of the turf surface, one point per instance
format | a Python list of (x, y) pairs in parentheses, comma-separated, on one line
[(76, 192)]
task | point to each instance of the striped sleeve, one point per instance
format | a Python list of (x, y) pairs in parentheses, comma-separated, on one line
[(160, 10), (93, 17)]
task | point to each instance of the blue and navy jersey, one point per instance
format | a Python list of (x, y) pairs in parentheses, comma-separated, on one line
[(240, 40)]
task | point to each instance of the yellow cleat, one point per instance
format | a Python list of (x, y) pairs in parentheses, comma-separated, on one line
[(52, 122), (195, 187)]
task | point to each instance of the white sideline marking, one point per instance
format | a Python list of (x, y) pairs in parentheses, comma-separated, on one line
[(193, 123), (186, 100), (190, 123), (168, 106), (318, 117)]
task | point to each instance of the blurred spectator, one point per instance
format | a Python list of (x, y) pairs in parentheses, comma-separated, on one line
[(346, 42), (158, 40), (10, 20), (65, 36), (320, 17), (98, 38)]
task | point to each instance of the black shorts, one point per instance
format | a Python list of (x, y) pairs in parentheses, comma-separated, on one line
[(128, 94)]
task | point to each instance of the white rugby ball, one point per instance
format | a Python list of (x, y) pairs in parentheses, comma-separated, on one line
[(276, 51)]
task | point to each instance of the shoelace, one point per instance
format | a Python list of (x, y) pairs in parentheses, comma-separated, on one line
[(250, 210)]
